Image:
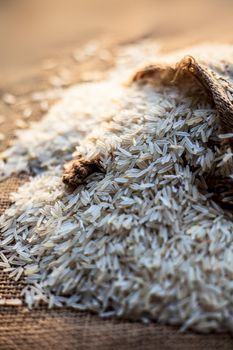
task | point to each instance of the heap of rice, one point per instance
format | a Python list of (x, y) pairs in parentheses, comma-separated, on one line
[(144, 240)]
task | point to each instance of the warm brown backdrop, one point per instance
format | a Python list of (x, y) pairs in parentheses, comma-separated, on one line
[(31, 29)]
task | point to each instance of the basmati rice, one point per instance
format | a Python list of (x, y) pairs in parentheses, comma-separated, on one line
[(144, 240)]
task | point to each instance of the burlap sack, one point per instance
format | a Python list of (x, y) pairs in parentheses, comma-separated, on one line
[(64, 328)]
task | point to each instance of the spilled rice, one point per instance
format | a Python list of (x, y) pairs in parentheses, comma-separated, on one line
[(144, 240)]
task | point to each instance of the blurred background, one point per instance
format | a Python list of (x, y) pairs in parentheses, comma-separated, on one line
[(31, 29), (52, 44)]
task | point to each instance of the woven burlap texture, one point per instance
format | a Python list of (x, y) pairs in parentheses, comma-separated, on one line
[(25, 329)]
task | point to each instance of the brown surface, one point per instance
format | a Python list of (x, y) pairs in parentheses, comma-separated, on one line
[(65, 329), (27, 64)]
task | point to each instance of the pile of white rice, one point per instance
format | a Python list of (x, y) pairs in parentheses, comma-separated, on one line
[(144, 240)]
